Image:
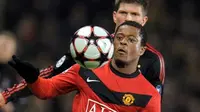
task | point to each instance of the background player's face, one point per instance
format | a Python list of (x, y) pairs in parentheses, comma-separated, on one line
[(129, 12), (127, 44), (7, 48)]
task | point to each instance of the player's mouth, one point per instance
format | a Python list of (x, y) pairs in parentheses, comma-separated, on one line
[(121, 51)]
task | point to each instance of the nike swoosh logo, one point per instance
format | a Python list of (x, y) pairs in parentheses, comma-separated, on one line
[(90, 80)]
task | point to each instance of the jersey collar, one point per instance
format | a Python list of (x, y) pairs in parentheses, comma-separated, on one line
[(132, 75)]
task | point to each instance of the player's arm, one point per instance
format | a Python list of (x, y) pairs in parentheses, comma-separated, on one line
[(21, 90), (60, 84), (46, 87)]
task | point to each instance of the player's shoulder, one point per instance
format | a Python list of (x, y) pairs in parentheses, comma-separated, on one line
[(80, 69), (149, 88), (150, 56), (152, 52), (103, 67), (73, 68), (153, 65), (61, 61)]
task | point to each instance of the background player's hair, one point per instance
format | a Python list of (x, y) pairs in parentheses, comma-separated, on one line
[(142, 32), (8, 34), (143, 3)]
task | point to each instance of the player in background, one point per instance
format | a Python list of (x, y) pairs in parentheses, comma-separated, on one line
[(8, 77), (106, 88), (151, 62)]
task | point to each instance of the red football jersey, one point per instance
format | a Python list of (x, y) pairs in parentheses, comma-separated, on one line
[(101, 90)]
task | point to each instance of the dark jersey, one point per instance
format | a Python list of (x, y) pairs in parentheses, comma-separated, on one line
[(152, 67), (101, 90)]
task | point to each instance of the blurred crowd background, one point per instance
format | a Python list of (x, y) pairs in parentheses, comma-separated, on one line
[(43, 29)]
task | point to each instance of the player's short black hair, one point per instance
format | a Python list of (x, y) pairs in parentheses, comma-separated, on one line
[(143, 3), (142, 32)]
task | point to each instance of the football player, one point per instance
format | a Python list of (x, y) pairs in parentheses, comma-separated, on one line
[(117, 86), (151, 63)]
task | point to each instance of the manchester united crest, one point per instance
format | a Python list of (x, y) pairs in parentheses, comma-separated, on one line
[(128, 99)]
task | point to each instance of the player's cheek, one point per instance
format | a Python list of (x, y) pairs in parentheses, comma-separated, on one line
[(137, 49), (121, 19), (115, 46), (115, 43)]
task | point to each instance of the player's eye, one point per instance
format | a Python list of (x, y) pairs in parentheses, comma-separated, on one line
[(132, 39), (119, 37), (123, 12), (134, 14)]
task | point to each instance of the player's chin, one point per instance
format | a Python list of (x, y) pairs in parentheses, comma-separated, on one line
[(120, 63)]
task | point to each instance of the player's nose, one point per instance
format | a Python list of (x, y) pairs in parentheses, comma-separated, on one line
[(123, 41), (128, 17)]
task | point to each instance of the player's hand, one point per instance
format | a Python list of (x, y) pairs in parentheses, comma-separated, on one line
[(25, 69), (9, 107), (2, 101)]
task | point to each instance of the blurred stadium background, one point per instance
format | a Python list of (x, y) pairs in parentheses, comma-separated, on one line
[(43, 29)]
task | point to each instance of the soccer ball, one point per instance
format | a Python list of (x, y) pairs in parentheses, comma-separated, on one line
[(91, 46)]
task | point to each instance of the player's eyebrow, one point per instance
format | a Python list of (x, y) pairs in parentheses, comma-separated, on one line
[(119, 32), (135, 36)]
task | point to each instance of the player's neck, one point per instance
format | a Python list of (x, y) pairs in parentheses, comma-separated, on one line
[(126, 69)]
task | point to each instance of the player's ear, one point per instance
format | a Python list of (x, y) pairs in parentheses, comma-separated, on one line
[(114, 16), (145, 19), (142, 50)]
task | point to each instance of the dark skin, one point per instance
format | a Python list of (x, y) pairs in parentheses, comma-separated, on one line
[(127, 49)]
